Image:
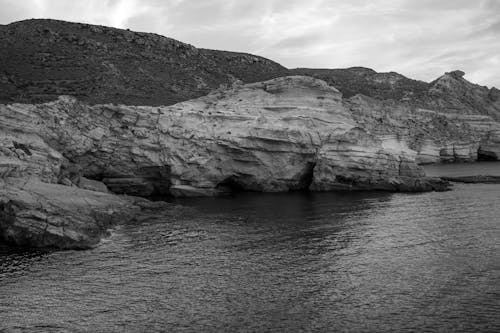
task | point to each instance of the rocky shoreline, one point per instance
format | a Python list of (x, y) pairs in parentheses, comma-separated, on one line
[(70, 168), (38, 214)]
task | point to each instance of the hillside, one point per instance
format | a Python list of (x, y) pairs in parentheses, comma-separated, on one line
[(448, 93), (42, 59), (366, 81)]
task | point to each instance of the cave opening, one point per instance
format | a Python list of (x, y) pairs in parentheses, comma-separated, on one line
[(305, 178)]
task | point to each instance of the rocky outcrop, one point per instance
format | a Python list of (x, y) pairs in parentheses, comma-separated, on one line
[(37, 214), (286, 134)]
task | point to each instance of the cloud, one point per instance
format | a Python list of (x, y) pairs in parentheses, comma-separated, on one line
[(420, 39)]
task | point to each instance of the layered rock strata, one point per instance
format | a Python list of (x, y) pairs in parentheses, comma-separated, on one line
[(447, 120), (435, 136), (286, 134)]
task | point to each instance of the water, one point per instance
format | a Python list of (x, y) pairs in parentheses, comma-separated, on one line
[(365, 262)]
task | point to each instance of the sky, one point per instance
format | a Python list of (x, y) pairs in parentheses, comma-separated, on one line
[(421, 39)]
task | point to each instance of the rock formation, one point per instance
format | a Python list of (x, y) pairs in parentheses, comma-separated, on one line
[(285, 134), (435, 136), (37, 214), (447, 120)]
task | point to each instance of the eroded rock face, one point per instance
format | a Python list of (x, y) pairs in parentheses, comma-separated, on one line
[(447, 120), (289, 133), (435, 137)]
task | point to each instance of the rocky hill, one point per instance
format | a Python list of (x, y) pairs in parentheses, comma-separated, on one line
[(366, 81), (449, 93), (43, 59)]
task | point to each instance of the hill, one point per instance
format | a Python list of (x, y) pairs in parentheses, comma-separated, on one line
[(42, 59), (450, 92)]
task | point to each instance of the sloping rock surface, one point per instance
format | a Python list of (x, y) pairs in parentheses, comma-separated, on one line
[(37, 214)]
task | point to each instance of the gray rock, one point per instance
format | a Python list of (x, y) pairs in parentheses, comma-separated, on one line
[(38, 214), (92, 185)]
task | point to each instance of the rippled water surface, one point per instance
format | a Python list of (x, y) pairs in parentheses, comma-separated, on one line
[(275, 262)]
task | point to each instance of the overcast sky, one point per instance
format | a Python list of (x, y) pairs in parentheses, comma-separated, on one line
[(419, 38)]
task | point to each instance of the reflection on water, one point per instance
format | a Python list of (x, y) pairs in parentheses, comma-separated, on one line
[(275, 262)]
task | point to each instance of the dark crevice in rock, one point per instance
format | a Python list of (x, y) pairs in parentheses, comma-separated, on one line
[(144, 182), (306, 177), (231, 184), (22, 146), (345, 180), (484, 155), (95, 176)]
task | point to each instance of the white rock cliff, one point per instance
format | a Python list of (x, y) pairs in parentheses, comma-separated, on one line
[(285, 134)]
